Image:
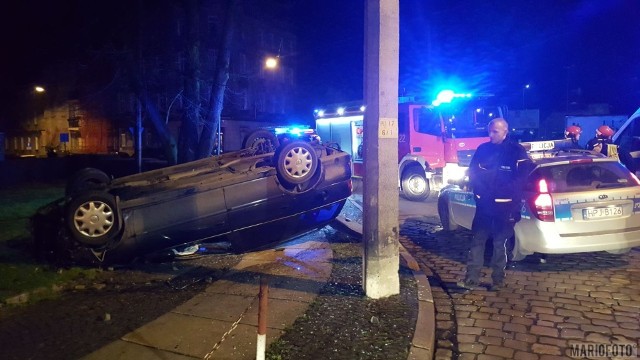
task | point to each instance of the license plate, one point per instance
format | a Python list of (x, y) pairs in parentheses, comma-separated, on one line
[(602, 212)]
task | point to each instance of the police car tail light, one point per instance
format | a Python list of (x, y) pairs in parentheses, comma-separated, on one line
[(543, 203)]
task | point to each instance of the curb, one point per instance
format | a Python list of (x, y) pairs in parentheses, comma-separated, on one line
[(423, 342)]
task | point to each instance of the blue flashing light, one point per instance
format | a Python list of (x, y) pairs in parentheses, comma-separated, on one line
[(296, 130), (320, 113), (445, 96), (362, 108), (340, 111)]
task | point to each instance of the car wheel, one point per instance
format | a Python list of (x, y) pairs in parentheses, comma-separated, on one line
[(619, 251), (92, 218), (262, 141), (513, 252), (415, 186), (296, 162), (445, 217), (86, 179)]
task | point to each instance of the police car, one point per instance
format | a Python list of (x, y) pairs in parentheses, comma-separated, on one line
[(574, 201)]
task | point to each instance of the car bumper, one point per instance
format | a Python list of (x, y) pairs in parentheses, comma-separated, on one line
[(536, 236)]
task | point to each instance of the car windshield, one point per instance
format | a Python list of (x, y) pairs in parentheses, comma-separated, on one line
[(582, 177), (465, 121)]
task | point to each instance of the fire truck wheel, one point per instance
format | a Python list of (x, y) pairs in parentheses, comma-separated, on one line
[(296, 162), (86, 179), (92, 218), (445, 217), (415, 186), (263, 141)]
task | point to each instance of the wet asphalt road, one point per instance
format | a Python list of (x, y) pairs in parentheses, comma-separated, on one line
[(544, 309)]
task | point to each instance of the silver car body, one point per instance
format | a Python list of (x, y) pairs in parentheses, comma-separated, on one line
[(593, 215)]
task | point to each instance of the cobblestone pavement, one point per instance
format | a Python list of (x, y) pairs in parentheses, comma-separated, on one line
[(543, 309)]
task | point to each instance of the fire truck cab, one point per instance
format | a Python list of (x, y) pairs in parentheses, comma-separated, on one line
[(435, 139)]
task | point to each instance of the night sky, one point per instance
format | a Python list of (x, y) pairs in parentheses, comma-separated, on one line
[(587, 49)]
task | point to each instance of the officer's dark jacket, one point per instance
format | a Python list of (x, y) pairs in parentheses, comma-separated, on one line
[(494, 174)]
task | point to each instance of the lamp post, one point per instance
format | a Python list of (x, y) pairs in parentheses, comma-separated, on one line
[(37, 103), (271, 64), (524, 88)]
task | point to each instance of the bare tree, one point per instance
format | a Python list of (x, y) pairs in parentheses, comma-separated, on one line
[(209, 134), (188, 138)]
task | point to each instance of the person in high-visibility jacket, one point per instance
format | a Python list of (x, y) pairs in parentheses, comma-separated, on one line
[(603, 144)]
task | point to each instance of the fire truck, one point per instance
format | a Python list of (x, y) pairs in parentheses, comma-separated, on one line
[(436, 139)]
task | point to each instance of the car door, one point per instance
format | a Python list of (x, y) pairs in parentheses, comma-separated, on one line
[(462, 207)]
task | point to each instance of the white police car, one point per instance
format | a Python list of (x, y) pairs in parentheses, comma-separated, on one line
[(574, 201)]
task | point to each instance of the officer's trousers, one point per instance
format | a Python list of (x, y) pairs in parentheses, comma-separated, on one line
[(484, 227)]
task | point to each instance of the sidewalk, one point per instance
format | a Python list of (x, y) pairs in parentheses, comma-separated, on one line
[(221, 322)]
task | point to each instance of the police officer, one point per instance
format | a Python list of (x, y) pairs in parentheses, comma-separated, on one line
[(496, 176), (603, 143), (572, 133)]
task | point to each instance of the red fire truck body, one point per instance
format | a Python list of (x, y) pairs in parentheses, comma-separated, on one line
[(435, 143)]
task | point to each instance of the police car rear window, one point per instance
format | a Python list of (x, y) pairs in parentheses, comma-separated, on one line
[(582, 177)]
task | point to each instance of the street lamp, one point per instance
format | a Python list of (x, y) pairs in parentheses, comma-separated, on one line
[(271, 62), (525, 87), (37, 102)]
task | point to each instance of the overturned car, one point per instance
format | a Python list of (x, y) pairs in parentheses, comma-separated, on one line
[(243, 200)]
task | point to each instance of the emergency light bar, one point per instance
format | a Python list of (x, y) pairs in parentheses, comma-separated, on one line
[(536, 146)]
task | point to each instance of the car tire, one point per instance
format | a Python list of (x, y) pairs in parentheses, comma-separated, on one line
[(445, 216), (262, 141), (513, 253), (415, 185), (296, 162), (92, 218), (86, 179), (619, 251)]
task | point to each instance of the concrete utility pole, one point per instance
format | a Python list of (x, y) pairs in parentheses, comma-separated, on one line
[(381, 259)]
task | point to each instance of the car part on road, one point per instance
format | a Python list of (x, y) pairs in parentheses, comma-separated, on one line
[(415, 185)]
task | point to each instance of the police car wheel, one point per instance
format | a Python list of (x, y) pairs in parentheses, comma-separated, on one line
[(445, 218), (619, 251), (513, 254), (415, 185)]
